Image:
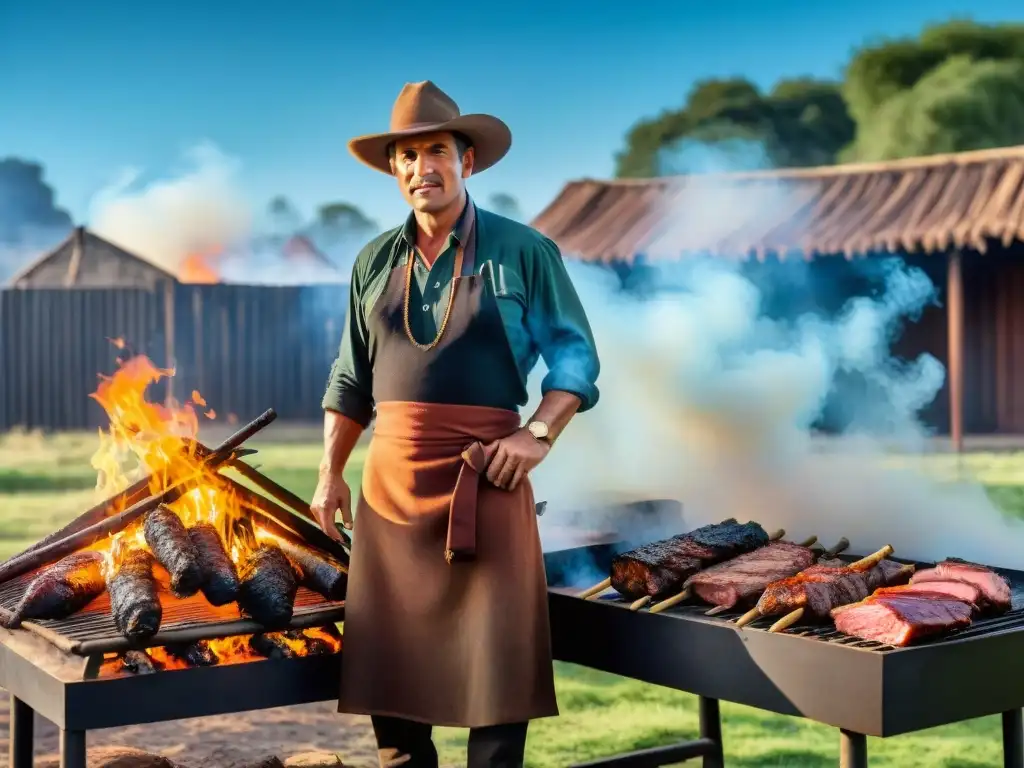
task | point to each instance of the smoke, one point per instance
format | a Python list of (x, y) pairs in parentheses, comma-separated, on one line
[(30, 220), (709, 399), (198, 211)]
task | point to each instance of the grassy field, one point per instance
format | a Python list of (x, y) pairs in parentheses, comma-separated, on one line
[(46, 481)]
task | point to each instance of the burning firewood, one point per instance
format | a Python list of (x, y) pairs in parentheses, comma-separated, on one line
[(272, 645), (134, 602), (62, 589), (219, 575), (197, 654), (315, 571), (169, 540), (267, 586), (140, 663)]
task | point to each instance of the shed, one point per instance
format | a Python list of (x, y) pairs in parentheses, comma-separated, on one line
[(959, 215), (86, 260)]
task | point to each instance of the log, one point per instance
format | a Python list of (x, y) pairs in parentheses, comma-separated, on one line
[(87, 536)]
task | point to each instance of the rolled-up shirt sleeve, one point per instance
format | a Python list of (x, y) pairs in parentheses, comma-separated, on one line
[(350, 387), (559, 326)]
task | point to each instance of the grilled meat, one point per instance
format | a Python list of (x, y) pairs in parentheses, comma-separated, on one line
[(134, 602), (315, 571), (948, 589), (994, 588), (660, 568), (271, 645), (900, 620), (169, 541), (62, 589), (267, 587), (745, 577), (219, 575), (140, 663), (821, 588), (197, 654)]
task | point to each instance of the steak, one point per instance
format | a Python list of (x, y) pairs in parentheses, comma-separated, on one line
[(994, 588), (823, 587), (900, 620), (660, 568), (957, 590), (744, 577)]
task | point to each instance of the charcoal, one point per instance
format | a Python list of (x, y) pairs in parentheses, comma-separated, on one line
[(61, 589), (197, 654), (271, 645), (134, 602), (169, 541), (659, 569), (140, 663), (317, 572), (316, 646), (219, 575), (267, 587)]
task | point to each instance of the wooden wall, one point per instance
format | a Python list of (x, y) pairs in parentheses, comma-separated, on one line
[(244, 348)]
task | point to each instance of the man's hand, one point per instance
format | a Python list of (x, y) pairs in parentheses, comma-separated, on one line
[(514, 458), (332, 494)]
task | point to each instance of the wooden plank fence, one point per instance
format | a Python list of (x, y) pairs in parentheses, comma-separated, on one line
[(244, 348)]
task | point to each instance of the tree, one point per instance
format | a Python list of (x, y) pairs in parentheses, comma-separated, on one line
[(800, 122), (344, 217), (955, 87), (28, 211), (960, 105), (284, 217), (505, 205)]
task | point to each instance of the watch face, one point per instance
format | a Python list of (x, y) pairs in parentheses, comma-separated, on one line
[(538, 429)]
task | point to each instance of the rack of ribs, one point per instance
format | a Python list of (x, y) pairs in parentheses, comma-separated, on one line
[(659, 568)]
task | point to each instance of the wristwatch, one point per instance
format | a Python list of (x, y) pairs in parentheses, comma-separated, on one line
[(540, 431)]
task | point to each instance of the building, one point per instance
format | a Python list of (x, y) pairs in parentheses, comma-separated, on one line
[(958, 216)]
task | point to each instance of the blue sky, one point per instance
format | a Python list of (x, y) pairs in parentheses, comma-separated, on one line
[(92, 88)]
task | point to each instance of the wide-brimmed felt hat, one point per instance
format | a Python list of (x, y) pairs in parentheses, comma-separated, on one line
[(424, 108)]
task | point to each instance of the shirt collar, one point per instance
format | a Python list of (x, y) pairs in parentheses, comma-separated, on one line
[(459, 233)]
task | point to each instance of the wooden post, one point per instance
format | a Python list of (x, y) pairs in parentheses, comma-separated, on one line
[(169, 295), (955, 320)]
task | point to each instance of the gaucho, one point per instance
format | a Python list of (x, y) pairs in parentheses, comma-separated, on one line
[(446, 609)]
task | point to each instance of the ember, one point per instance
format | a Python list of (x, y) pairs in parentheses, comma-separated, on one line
[(237, 649)]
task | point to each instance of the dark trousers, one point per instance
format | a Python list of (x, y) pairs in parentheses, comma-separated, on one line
[(410, 745)]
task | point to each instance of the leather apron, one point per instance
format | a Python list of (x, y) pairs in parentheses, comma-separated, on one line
[(446, 617)]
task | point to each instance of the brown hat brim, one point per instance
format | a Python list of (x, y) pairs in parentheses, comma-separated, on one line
[(490, 137)]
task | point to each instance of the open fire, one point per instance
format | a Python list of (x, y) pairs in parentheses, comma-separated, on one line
[(177, 542), (237, 649)]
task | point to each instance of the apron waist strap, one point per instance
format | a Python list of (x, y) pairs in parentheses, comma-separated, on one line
[(461, 542)]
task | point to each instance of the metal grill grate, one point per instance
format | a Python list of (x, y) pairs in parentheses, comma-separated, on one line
[(92, 629), (1013, 619)]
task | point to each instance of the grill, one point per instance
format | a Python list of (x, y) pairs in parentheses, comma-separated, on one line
[(57, 667), (808, 670)]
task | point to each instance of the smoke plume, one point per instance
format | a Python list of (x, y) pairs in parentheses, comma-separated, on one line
[(707, 399), (30, 220)]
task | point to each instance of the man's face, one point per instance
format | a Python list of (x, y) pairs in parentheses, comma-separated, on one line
[(429, 171)]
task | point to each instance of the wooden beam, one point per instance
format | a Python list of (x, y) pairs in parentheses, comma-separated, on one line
[(955, 320)]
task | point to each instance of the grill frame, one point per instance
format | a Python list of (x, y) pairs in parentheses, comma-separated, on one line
[(860, 690), (66, 690)]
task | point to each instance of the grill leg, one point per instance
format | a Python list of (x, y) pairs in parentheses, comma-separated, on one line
[(711, 729), (72, 749), (20, 748), (853, 750), (1013, 739)]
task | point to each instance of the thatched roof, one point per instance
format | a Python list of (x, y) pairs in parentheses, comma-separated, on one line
[(965, 200), (86, 260)]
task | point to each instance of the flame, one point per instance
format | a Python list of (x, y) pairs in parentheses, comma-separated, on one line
[(236, 649), (200, 268), (147, 438)]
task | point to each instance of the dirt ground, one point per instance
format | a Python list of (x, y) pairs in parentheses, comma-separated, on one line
[(228, 740)]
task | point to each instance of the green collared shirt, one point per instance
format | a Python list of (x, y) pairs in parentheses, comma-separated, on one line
[(540, 309)]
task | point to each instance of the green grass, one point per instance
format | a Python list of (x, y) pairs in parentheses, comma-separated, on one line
[(45, 481)]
